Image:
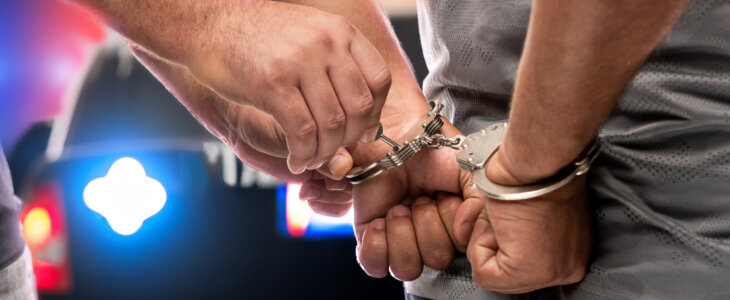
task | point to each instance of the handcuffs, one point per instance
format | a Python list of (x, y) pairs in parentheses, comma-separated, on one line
[(475, 151)]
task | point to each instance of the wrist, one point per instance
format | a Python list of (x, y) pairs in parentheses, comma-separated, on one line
[(209, 43), (525, 157), (404, 107), (510, 166), (435, 170), (499, 171)]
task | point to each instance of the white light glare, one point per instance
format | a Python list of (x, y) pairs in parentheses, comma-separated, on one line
[(126, 197)]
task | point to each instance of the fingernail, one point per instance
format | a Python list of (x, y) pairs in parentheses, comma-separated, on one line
[(379, 224), (309, 193), (369, 135), (337, 165), (315, 166), (401, 211), (466, 231), (294, 168), (422, 200), (339, 185)]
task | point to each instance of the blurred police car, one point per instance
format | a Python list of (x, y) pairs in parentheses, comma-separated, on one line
[(135, 200)]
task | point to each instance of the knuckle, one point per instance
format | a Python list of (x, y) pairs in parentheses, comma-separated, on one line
[(440, 259), (306, 128), (363, 106), (382, 80), (407, 272), (343, 25), (322, 40), (335, 121)]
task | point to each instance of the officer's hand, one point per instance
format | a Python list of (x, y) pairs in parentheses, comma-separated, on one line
[(255, 137), (319, 78)]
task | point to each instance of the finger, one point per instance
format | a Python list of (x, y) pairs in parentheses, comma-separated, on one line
[(374, 70), (213, 112), (315, 190), (258, 129), (334, 210), (434, 244), (339, 165), (482, 251), (328, 114), (274, 166), (372, 251), (403, 256), (299, 126), (338, 185), (357, 101), (465, 218), (448, 205), (373, 198)]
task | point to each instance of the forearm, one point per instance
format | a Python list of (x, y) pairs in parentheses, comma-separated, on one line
[(578, 58), (170, 28), (198, 99)]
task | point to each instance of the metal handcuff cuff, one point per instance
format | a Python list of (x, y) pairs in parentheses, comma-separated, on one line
[(475, 151)]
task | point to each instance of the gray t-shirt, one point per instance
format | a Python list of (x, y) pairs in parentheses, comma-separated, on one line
[(11, 242), (660, 190)]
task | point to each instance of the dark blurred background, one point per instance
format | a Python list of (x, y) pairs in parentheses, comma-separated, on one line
[(75, 103)]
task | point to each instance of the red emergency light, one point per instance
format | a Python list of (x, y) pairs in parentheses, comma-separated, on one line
[(44, 230)]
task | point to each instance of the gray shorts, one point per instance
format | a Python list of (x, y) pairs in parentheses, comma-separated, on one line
[(17, 281)]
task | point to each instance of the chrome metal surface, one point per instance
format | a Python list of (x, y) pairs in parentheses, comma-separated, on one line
[(479, 147), (413, 141)]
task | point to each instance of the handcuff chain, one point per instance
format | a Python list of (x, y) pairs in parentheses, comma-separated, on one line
[(438, 141), (400, 153)]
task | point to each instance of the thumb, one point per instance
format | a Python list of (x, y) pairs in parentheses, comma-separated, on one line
[(482, 247), (263, 133), (465, 220), (339, 165), (468, 211), (258, 129)]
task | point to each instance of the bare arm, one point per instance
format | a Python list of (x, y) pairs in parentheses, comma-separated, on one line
[(251, 135), (579, 56), (316, 74), (577, 60), (169, 28)]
